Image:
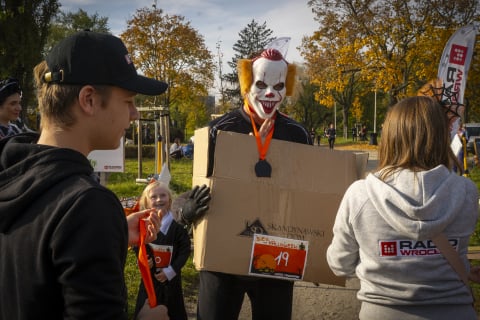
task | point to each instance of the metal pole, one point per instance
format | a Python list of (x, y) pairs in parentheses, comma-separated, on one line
[(160, 141), (335, 115), (375, 113), (163, 132), (166, 122), (140, 135), (158, 158), (133, 131)]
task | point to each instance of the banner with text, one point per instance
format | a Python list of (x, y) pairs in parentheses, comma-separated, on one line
[(455, 62)]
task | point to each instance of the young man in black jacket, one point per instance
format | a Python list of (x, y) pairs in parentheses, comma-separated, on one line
[(64, 237)]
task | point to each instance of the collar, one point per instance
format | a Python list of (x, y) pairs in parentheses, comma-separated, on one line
[(166, 222)]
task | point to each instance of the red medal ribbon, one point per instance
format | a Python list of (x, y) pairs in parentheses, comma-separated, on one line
[(144, 268), (262, 148)]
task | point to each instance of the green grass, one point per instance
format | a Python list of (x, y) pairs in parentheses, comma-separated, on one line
[(124, 185)]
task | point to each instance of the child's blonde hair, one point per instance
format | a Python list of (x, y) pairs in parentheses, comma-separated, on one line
[(144, 198)]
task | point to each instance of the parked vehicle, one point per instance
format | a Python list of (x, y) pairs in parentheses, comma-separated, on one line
[(473, 131)]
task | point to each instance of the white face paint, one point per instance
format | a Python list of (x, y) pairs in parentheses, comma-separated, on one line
[(268, 88)]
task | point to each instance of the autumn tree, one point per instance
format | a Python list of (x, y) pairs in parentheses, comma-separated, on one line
[(253, 39), (303, 106), (168, 48), (472, 94), (67, 23), (333, 64), (392, 46), (23, 33)]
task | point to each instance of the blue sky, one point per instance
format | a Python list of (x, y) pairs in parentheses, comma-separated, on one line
[(216, 20)]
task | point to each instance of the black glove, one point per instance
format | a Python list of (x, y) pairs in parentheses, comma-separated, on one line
[(196, 205)]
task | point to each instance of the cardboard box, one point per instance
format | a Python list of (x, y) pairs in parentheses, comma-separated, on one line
[(299, 201)]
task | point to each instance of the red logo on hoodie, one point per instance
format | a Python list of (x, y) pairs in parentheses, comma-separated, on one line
[(388, 248)]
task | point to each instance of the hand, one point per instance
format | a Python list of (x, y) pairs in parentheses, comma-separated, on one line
[(474, 274), (162, 213), (150, 262), (159, 312), (161, 276), (152, 226), (265, 128), (196, 205)]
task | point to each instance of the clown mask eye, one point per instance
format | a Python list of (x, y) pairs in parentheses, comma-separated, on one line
[(261, 84), (279, 86)]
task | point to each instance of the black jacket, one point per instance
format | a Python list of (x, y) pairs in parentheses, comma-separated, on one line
[(177, 236), (63, 237), (239, 121)]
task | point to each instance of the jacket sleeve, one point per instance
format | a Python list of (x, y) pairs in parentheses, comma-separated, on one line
[(89, 250), (343, 252), (183, 248)]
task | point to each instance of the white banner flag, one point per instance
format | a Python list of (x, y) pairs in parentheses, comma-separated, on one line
[(455, 62)]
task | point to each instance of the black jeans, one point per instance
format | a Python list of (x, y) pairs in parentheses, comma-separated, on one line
[(221, 296), (331, 142)]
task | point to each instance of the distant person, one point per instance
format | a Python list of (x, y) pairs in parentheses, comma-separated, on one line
[(63, 236), (10, 107), (387, 225), (176, 151), (354, 133), (167, 278), (312, 134), (188, 149), (462, 136), (331, 134), (363, 133)]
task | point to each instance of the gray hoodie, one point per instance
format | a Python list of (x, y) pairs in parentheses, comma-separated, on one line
[(383, 231)]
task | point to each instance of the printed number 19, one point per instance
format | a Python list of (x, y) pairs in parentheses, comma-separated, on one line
[(282, 256)]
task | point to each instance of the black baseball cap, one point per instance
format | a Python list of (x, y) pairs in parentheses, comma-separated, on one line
[(94, 58)]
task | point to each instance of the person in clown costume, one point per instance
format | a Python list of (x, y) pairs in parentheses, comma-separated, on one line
[(265, 81)]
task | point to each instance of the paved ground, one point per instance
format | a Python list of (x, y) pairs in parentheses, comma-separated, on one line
[(312, 302)]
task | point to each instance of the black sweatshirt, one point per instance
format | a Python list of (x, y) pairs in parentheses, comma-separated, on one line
[(63, 237)]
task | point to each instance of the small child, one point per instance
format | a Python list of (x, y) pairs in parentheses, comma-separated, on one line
[(172, 238)]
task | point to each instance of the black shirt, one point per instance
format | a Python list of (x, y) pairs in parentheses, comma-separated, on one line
[(285, 128)]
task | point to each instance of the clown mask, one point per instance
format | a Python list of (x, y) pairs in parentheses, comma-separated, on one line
[(268, 87)]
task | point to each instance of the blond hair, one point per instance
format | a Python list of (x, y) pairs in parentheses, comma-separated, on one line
[(415, 136), (55, 101), (144, 200)]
